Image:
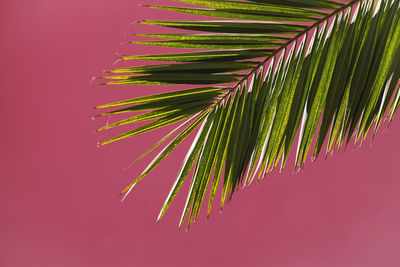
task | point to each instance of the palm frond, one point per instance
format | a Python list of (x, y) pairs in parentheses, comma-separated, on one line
[(326, 70)]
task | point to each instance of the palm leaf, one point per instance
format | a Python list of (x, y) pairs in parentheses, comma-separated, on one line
[(326, 70)]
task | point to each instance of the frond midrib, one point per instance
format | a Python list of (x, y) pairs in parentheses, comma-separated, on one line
[(285, 45)]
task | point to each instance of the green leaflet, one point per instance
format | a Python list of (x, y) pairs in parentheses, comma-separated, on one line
[(154, 101), (175, 78), (220, 55), (246, 6), (211, 44), (200, 67), (187, 165), (164, 153), (230, 26), (330, 5), (236, 13), (220, 37)]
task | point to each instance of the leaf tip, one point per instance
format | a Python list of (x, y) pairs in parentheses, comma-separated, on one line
[(92, 80), (136, 22)]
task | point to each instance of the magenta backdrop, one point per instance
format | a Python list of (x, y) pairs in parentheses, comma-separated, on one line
[(58, 190)]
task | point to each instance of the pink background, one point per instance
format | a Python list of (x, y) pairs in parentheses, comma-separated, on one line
[(58, 190)]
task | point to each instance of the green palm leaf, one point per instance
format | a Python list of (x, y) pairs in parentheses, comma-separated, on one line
[(326, 70)]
